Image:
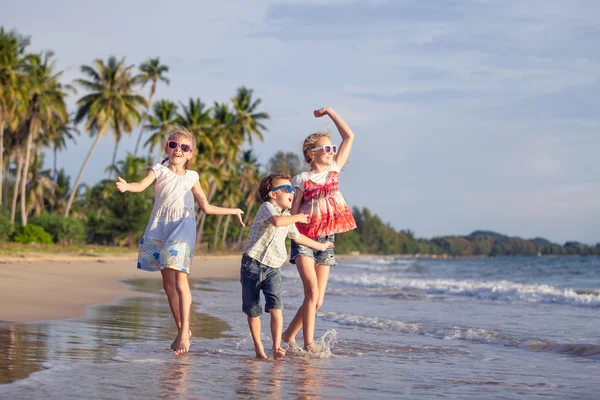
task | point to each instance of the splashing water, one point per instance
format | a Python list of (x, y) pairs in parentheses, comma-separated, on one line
[(321, 347)]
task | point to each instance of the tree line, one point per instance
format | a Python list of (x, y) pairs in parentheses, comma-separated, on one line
[(111, 101), (41, 205), (373, 236)]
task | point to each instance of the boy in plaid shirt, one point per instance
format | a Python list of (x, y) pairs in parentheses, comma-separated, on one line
[(264, 255)]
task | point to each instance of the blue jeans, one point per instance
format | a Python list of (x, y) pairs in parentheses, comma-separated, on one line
[(326, 257), (255, 277)]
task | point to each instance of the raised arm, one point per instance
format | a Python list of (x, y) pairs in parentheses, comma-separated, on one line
[(345, 132), (136, 187), (208, 208)]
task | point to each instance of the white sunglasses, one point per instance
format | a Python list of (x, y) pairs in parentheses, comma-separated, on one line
[(328, 148)]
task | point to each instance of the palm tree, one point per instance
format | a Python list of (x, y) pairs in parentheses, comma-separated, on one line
[(61, 191), (165, 113), (227, 128), (227, 138), (231, 199), (58, 136), (12, 47), (46, 106), (111, 104), (249, 179), (41, 188), (211, 179), (16, 142), (129, 169), (248, 116), (198, 119), (123, 218), (215, 160), (152, 71)]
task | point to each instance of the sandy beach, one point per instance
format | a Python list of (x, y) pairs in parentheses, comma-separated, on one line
[(57, 287)]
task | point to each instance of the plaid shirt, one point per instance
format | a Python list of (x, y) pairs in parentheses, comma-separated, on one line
[(266, 242)]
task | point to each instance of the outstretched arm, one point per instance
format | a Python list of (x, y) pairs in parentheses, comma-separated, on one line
[(345, 132), (136, 187), (283, 220), (208, 208)]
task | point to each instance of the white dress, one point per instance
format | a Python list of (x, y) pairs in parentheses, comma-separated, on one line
[(170, 236)]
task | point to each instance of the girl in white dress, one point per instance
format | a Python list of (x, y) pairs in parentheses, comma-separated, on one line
[(168, 242)]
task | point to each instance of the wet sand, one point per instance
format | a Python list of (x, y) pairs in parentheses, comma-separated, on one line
[(57, 287), (93, 338)]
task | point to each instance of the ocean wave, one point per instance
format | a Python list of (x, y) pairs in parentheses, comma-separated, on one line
[(461, 333), (381, 264), (485, 290)]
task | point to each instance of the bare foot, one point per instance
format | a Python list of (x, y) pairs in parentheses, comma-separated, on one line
[(309, 347), (260, 354), (184, 344), (285, 338), (278, 353), (175, 343)]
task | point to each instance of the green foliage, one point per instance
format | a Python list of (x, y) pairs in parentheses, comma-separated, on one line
[(347, 242), (288, 163), (116, 218), (120, 219), (31, 233), (64, 230), (6, 227)]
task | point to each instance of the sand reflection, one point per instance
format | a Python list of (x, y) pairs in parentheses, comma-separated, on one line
[(94, 337)]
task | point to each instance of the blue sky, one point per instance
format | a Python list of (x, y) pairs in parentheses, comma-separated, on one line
[(467, 114)]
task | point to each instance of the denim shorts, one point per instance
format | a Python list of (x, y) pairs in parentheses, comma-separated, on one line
[(326, 257), (255, 277)]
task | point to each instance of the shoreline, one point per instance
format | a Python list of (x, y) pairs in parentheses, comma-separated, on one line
[(50, 287)]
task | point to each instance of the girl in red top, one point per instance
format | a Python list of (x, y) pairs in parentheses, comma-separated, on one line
[(318, 197)]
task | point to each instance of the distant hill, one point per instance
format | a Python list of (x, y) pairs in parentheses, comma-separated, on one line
[(373, 236), (487, 234)]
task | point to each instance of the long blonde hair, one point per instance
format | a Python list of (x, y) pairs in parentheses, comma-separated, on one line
[(311, 142)]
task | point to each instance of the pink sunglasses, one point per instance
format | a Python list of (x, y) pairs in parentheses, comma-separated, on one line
[(184, 147)]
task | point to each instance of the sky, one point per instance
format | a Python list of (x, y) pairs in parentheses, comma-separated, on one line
[(468, 114)]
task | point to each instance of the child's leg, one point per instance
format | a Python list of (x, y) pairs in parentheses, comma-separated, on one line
[(254, 325), (250, 276), (314, 279), (271, 287), (289, 336), (185, 307), (306, 269), (276, 329), (170, 287), (323, 278)]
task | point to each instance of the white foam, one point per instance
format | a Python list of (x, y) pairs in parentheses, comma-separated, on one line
[(462, 333), (487, 290)]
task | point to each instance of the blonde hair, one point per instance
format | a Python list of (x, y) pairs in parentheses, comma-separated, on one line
[(311, 142), (175, 131)]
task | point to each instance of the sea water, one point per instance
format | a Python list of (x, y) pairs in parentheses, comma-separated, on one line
[(512, 328)]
